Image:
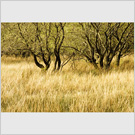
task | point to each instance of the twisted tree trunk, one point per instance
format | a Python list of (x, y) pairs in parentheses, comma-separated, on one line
[(37, 63)]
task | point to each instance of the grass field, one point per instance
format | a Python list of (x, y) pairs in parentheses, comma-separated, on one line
[(25, 88)]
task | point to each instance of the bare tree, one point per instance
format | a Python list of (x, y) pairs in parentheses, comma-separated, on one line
[(126, 41), (38, 42), (99, 43), (58, 36)]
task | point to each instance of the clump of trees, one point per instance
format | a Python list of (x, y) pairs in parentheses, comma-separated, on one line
[(98, 43)]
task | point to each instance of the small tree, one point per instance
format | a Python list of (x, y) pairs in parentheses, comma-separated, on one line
[(58, 36), (98, 42), (38, 42), (126, 46)]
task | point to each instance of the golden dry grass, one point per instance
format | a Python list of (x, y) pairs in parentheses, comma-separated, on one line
[(25, 88)]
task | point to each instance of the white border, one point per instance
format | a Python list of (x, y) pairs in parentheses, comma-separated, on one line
[(68, 123), (67, 11)]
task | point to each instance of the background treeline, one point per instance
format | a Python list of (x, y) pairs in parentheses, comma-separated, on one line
[(97, 43)]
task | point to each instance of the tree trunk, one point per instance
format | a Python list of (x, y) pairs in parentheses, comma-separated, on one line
[(93, 62), (37, 63), (47, 66), (118, 60), (46, 61), (107, 62), (57, 63), (101, 61)]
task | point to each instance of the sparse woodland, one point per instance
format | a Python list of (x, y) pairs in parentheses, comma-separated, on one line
[(67, 67)]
